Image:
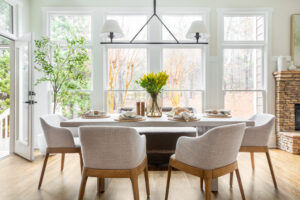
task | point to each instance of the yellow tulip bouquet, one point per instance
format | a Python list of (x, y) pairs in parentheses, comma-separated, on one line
[(153, 83)]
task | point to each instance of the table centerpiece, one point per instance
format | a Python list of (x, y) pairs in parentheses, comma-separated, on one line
[(153, 83)]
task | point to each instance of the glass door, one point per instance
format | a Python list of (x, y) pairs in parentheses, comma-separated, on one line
[(24, 97)]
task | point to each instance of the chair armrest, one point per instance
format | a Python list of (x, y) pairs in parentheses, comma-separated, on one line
[(257, 136), (60, 137)]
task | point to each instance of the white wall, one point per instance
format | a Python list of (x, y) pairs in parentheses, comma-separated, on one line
[(282, 11)]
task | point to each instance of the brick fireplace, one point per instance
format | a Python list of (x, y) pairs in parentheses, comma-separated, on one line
[(287, 108)]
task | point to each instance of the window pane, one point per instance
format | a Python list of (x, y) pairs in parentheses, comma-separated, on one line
[(243, 69), (116, 100), (4, 80), (70, 26), (183, 99), (244, 28), (130, 25), (73, 103), (124, 67), (244, 104), (6, 16), (179, 25), (184, 67)]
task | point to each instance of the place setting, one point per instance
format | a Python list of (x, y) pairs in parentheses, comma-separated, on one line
[(182, 114), (129, 116), (218, 113), (95, 114)]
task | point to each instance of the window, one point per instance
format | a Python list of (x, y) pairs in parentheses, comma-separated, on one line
[(244, 28), (185, 69), (130, 25), (6, 16), (71, 26), (125, 64), (244, 52), (179, 25)]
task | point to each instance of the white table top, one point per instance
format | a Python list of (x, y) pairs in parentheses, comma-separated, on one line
[(155, 122)]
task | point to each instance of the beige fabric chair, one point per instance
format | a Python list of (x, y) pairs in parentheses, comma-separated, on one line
[(113, 152), (209, 156), (59, 140), (256, 139)]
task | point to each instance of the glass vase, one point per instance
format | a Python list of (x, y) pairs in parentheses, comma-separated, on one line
[(154, 105)]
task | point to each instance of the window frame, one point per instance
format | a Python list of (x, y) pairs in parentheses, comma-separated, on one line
[(154, 64), (264, 45)]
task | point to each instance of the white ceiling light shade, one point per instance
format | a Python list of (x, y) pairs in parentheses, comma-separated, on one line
[(197, 30), (111, 29)]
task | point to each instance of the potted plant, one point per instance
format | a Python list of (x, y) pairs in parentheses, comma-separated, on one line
[(153, 84), (64, 67)]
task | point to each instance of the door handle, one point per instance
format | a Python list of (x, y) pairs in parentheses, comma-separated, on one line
[(31, 102)]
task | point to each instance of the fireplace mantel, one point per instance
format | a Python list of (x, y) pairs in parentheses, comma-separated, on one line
[(287, 75), (287, 96)]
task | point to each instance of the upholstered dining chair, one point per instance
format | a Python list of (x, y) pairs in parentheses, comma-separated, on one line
[(209, 156), (58, 140), (113, 152), (256, 140)]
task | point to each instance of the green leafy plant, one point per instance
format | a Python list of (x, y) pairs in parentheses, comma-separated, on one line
[(63, 67), (4, 81), (153, 83)]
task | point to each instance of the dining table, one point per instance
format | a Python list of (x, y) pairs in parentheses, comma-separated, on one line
[(202, 125)]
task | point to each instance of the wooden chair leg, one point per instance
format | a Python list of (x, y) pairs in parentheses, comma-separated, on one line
[(99, 185), (240, 183), (43, 170), (62, 161), (208, 183), (201, 184), (252, 160), (168, 182), (81, 161), (82, 185), (135, 186), (271, 169), (231, 179), (147, 180)]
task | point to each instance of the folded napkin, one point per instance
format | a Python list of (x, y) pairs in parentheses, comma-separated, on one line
[(176, 111), (129, 115), (186, 116)]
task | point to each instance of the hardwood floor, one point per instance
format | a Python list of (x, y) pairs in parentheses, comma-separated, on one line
[(19, 180)]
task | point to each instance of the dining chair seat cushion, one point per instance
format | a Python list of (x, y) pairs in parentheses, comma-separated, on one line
[(112, 147), (216, 148), (260, 133)]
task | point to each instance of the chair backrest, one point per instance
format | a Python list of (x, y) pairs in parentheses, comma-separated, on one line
[(56, 137), (259, 134), (112, 147), (216, 148)]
